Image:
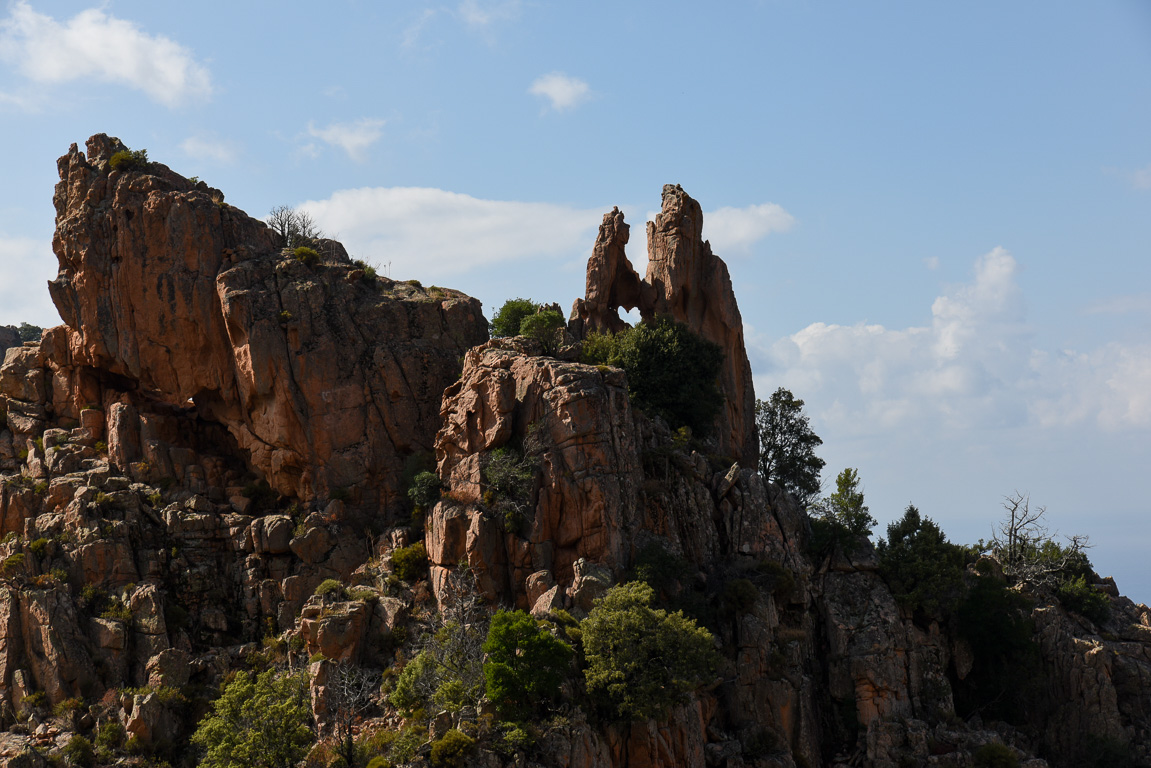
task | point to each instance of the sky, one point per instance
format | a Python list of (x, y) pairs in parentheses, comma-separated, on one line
[(936, 216)]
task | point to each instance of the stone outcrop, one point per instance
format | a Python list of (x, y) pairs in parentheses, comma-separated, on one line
[(325, 382), (684, 281), (173, 509)]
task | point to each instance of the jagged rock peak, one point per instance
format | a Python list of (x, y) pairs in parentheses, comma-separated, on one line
[(326, 378), (686, 282)]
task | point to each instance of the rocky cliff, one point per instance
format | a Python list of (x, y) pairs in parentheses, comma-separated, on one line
[(206, 469)]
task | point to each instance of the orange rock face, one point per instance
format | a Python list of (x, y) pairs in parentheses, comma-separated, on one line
[(324, 381), (684, 281)]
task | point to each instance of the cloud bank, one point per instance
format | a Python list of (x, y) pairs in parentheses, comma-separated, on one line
[(94, 45), (354, 138), (976, 366)]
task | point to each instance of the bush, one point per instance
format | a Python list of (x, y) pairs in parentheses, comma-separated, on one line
[(996, 755), (1079, 596), (450, 751), (78, 751), (739, 596), (509, 474), (13, 564), (425, 490), (39, 547), (671, 372), (259, 721), (29, 332), (110, 735), (129, 160), (544, 326), (310, 256), (642, 661), (411, 562), (510, 316), (526, 664), (924, 570), (330, 587)]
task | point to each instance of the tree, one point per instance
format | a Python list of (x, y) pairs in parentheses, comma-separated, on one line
[(642, 661), (842, 518), (29, 332), (787, 446), (671, 372), (923, 569), (297, 228), (1026, 551), (510, 316), (526, 664), (258, 722), (543, 326), (350, 690)]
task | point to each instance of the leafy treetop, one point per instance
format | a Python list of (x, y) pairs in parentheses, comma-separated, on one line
[(787, 445)]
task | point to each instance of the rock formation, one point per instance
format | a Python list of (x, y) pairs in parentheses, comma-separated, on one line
[(325, 385), (686, 282), (203, 471)]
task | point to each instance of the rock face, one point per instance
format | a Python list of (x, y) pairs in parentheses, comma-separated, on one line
[(686, 282), (325, 382), (165, 520)]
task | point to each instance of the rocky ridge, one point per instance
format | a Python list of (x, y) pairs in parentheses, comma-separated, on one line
[(218, 428)]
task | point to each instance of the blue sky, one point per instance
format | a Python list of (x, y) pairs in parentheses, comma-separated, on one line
[(936, 217)]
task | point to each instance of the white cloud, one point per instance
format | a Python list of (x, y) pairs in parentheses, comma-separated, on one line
[(479, 15), (209, 148), (1129, 304), (440, 234), (26, 264), (414, 30), (563, 92), (735, 230), (1142, 178), (975, 366), (354, 138), (94, 45)]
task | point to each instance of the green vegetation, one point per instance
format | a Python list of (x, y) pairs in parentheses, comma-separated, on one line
[(410, 562), (787, 446), (29, 332), (924, 570), (12, 564), (510, 316), (841, 519), (330, 587), (424, 490), (450, 751), (671, 372), (996, 755), (79, 752), (642, 661), (525, 665), (38, 547), (308, 255), (129, 160), (544, 326), (258, 722)]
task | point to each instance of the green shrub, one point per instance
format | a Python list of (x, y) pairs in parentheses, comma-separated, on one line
[(1079, 596), (996, 755), (29, 332), (671, 371), (778, 578), (509, 474), (309, 256), (129, 160), (330, 587), (37, 701), (13, 564), (110, 735), (425, 490), (544, 326), (266, 715), (78, 751), (263, 498), (739, 596), (414, 680), (525, 666), (450, 751), (510, 317), (40, 487), (923, 570), (117, 611), (642, 661), (411, 562), (39, 547)]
